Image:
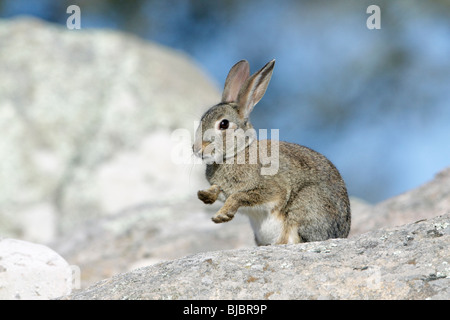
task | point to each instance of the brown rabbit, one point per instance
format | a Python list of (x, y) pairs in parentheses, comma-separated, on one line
[(303, 199)]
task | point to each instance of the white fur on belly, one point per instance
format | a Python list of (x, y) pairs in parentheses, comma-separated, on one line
[(266, 226)]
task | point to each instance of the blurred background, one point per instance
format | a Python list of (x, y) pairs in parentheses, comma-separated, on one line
[(375, 102)]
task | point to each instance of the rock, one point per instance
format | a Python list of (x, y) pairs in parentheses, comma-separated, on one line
[(407, 262), (427, 201), (33, 271), (147, 235), (85, 114)]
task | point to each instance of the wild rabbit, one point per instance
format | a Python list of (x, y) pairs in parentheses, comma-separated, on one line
[(305, 199)]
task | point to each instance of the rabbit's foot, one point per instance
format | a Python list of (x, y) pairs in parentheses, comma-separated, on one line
[(223, 216), (206, 196), (209, 196)]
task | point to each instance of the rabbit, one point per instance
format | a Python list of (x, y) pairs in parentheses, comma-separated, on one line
[(304, 200)]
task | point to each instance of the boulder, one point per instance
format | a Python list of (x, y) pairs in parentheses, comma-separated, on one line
[(407, 262), (426, 201), (87, 120), (33, 271)]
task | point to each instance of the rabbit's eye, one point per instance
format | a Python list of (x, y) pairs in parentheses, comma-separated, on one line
[(224, 124)]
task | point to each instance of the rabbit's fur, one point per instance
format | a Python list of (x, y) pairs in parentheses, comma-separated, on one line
[(303, 199)]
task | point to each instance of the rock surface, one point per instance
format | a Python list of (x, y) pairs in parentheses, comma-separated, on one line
[(426, 201), (32, 271), (148, 235), (408, 262)]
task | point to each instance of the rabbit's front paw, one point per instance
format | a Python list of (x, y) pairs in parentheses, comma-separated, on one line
[(206, 196), (220, 217), (210, 195)]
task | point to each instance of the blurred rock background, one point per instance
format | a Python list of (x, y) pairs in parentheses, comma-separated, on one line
[(86, 131), (88, 116)]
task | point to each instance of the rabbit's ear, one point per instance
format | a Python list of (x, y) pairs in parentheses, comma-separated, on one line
[(235, 79), (254, 89)]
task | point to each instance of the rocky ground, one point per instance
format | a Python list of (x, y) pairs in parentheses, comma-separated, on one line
[(89, 170), (407, 262), (140, 238)]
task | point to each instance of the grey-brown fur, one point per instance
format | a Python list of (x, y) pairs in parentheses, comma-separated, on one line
[(305, 200)]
